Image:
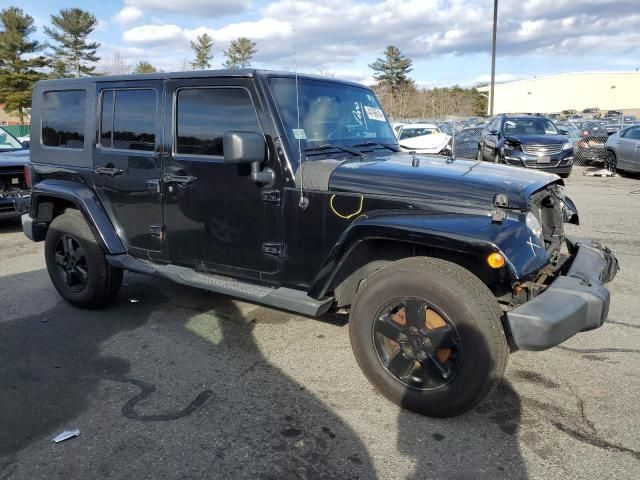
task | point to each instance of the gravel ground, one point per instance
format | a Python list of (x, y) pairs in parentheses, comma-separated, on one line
[(172, 382)]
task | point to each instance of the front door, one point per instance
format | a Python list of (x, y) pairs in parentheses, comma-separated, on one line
[(216, 217), (127, 161)]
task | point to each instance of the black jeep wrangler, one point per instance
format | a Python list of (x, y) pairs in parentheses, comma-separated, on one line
[(290, 191)]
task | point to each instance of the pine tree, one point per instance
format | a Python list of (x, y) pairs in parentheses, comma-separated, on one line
[(144, 67), (18, 74), (240, 53), (392, 70), (202, 48), (74, 54)]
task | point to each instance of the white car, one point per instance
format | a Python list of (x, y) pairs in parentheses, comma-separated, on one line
[(422, 138)]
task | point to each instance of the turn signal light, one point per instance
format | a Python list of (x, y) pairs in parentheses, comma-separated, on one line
[(495, 260)]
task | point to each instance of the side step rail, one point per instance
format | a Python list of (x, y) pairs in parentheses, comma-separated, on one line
[(282, 297)]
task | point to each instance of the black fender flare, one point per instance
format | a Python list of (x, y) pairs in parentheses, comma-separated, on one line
[(86, 201), (390, 228)]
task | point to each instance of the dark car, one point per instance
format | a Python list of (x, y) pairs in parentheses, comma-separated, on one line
[(14, 190), (529, 141), (465, 142), (291, 191)]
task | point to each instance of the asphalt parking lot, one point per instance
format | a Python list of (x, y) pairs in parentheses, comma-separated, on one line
[(173, 382)]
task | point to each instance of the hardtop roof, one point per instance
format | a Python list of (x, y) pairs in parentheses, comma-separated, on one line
[(222, 73)]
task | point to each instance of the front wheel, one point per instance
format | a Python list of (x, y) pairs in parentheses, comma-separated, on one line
[(611, 162), (77, 264), (479, 156), (427, 334)]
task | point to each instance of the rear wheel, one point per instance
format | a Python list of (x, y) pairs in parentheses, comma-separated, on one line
[(427, 333), (611, 162), (77, 264), (479, 156)]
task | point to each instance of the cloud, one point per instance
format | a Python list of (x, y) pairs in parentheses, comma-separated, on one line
[(206, 8), (154, 34), (333, 34), (127, 15)]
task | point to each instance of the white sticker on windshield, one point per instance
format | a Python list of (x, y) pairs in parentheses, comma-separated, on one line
[(299, 134), (374, 113)]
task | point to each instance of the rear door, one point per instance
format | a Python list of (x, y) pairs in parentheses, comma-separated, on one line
[(128, 161)]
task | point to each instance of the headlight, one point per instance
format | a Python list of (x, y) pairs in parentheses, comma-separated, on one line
[(567, 146), (534, 225)]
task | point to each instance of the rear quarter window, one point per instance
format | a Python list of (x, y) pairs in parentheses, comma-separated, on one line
[(63, 114)]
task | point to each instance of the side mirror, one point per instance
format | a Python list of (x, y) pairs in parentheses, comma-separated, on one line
[(563, 131), (248, 147), (26, 144), (243, 147), (494, 132)]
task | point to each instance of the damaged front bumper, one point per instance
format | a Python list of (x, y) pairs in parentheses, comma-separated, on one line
[(14, 204), (574, 302)]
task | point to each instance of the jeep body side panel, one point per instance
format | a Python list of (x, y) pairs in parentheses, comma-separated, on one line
[(85, 200), (63, 157), (472, 235)]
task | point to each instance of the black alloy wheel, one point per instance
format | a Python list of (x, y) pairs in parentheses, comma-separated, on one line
[(71, 263), (416, 343)]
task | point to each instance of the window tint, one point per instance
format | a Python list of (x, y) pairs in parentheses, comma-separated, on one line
[(632, 133), (106, 119), (63, 118), (128, 119), (204, 114)]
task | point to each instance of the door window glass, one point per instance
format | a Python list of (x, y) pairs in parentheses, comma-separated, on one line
[(128, 119), (204, 114), (63, 118), (633, 134)]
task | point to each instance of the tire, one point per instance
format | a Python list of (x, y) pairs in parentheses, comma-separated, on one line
[(468, 311), (611, 162), (565, 175), (77, 264), (497, 159), (479, 156)]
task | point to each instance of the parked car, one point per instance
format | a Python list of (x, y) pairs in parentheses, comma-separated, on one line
[(623, 150), (14, 188), (465, 142), (291, 191), (529, 141), (423, 138)]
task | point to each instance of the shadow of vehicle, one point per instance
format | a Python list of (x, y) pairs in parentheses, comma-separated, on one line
[(10, 225), (167, 383), (479, 444)]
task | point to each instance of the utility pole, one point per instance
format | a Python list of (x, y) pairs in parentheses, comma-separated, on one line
[(493, 55)]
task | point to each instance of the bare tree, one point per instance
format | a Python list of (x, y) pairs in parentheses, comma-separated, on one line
[(117, 64)]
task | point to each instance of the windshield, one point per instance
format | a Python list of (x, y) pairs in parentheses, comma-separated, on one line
[(330, 113), (529, 126), (416, 132), (8, 141)]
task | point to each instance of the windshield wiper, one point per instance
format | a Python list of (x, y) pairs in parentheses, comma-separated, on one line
[(371, 143), (330, 146)]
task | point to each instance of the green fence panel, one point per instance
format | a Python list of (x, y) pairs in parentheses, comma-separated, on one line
[(17, 130)]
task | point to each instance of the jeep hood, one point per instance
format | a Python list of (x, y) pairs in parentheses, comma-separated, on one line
[(438, 178)]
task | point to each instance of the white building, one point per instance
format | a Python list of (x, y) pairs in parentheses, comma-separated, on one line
[(569, 91)]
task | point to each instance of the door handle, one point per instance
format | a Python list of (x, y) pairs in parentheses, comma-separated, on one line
[(183, 179), (111, 171)]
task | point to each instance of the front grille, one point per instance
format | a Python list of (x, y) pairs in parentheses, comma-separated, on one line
[(550, 149)]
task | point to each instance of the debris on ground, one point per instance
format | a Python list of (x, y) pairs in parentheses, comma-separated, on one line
[(66, 435), (134, 300), (603, 172)]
